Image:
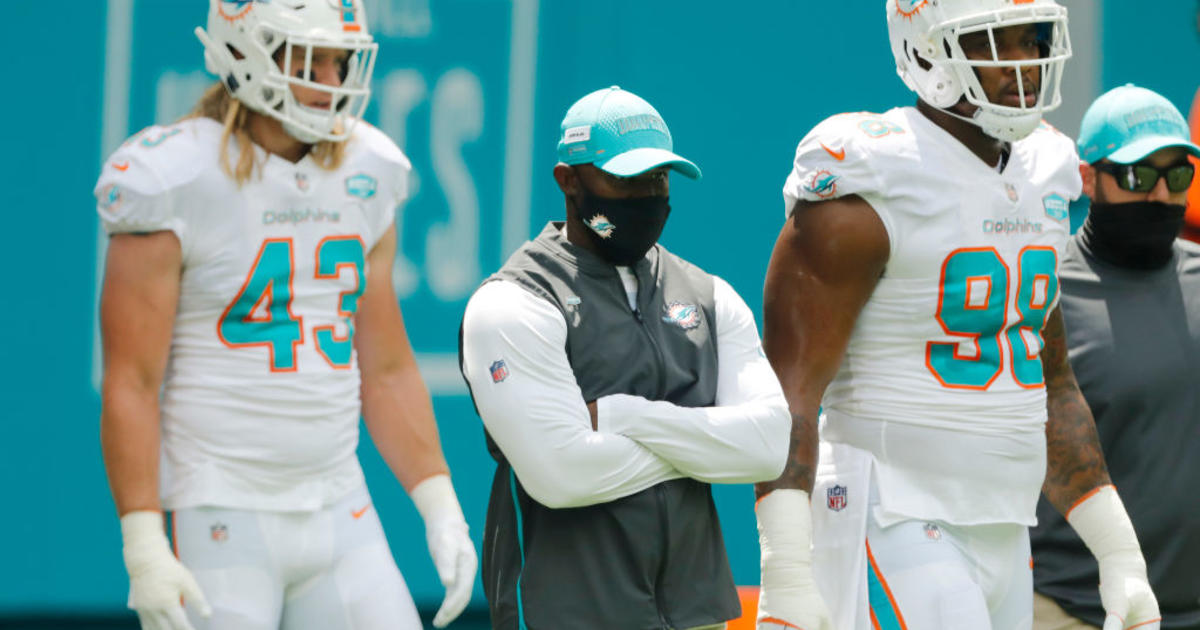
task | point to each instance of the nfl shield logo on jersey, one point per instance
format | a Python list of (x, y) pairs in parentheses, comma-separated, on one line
[(835, 498), (1012, 192), (219, 532), (499, 371)]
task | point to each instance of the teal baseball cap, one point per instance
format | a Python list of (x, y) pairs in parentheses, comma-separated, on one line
[(621, 134), (1128, 123)]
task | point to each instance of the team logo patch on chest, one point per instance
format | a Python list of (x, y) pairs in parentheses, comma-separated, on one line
[(361, 185), (836, 498), (1057, 207), (686, 316)]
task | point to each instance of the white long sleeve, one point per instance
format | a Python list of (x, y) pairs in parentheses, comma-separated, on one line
[(744, 437), (533, 407)]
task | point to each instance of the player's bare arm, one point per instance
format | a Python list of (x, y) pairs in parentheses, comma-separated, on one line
[(137, 312), (396, 406), (826, 262), (1074, 461), (399, 414)]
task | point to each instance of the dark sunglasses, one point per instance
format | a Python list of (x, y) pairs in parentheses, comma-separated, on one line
[(1144, 177)]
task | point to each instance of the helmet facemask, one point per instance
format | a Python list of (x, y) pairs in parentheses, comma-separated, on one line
[(347, 102), (932, 62), (1008, 122), (254, 52)]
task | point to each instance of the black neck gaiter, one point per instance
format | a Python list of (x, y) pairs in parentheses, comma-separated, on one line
[(1135, 235), (622, 230)]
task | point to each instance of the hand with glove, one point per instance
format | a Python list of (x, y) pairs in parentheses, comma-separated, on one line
[(157, 580), (1101, 521), (789, 597), (450, 546)]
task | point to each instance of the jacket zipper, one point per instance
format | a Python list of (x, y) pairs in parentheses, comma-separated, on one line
[(658, 355), (659, 492)]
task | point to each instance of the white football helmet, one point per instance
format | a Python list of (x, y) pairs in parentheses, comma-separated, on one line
[(930, 30), (248, 42)]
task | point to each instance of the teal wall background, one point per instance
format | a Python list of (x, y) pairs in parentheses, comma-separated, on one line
[(473, 91)]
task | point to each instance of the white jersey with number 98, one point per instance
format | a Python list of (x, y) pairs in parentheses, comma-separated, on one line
[(942, 379)]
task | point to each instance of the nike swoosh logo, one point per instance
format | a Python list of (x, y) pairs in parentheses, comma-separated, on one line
[(838, 155), (122, 166), (358, 513)]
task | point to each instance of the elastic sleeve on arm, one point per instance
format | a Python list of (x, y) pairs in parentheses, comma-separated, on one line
[(514, 358), (744, 438)]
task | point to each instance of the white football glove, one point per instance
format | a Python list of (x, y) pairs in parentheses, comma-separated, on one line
[(1104, 525), (158, 582), (450, 546), (789, 597)]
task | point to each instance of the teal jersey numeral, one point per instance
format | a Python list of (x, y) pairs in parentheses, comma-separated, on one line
[(334, 253), (972, 303), (261, 314), (1037, 291)]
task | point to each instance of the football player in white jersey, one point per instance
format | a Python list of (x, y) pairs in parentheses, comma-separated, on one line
[(912, 295), (248, 318)]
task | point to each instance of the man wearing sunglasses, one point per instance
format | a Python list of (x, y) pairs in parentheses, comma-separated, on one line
[(1131, 303)]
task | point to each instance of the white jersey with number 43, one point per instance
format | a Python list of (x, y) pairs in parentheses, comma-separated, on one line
[(942, 379), (261, 402)]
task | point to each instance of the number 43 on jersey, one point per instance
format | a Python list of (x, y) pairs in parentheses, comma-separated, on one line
[(261, 314), (973, 304)]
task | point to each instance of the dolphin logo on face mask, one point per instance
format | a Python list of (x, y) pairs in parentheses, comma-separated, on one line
[(623, 230)]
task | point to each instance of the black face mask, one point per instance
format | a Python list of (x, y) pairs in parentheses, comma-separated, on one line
[(1137, 235), (622, 230)]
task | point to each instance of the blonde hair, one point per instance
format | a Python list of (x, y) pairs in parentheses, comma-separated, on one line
[(216, 103)]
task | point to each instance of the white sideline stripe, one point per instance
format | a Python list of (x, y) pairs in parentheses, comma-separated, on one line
[(118, 58), (518, 134)]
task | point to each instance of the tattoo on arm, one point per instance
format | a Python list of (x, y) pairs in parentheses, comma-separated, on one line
[(801, 469), (1074, 461)]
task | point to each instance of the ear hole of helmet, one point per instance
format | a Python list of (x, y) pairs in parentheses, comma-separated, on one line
[(925, 65)]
